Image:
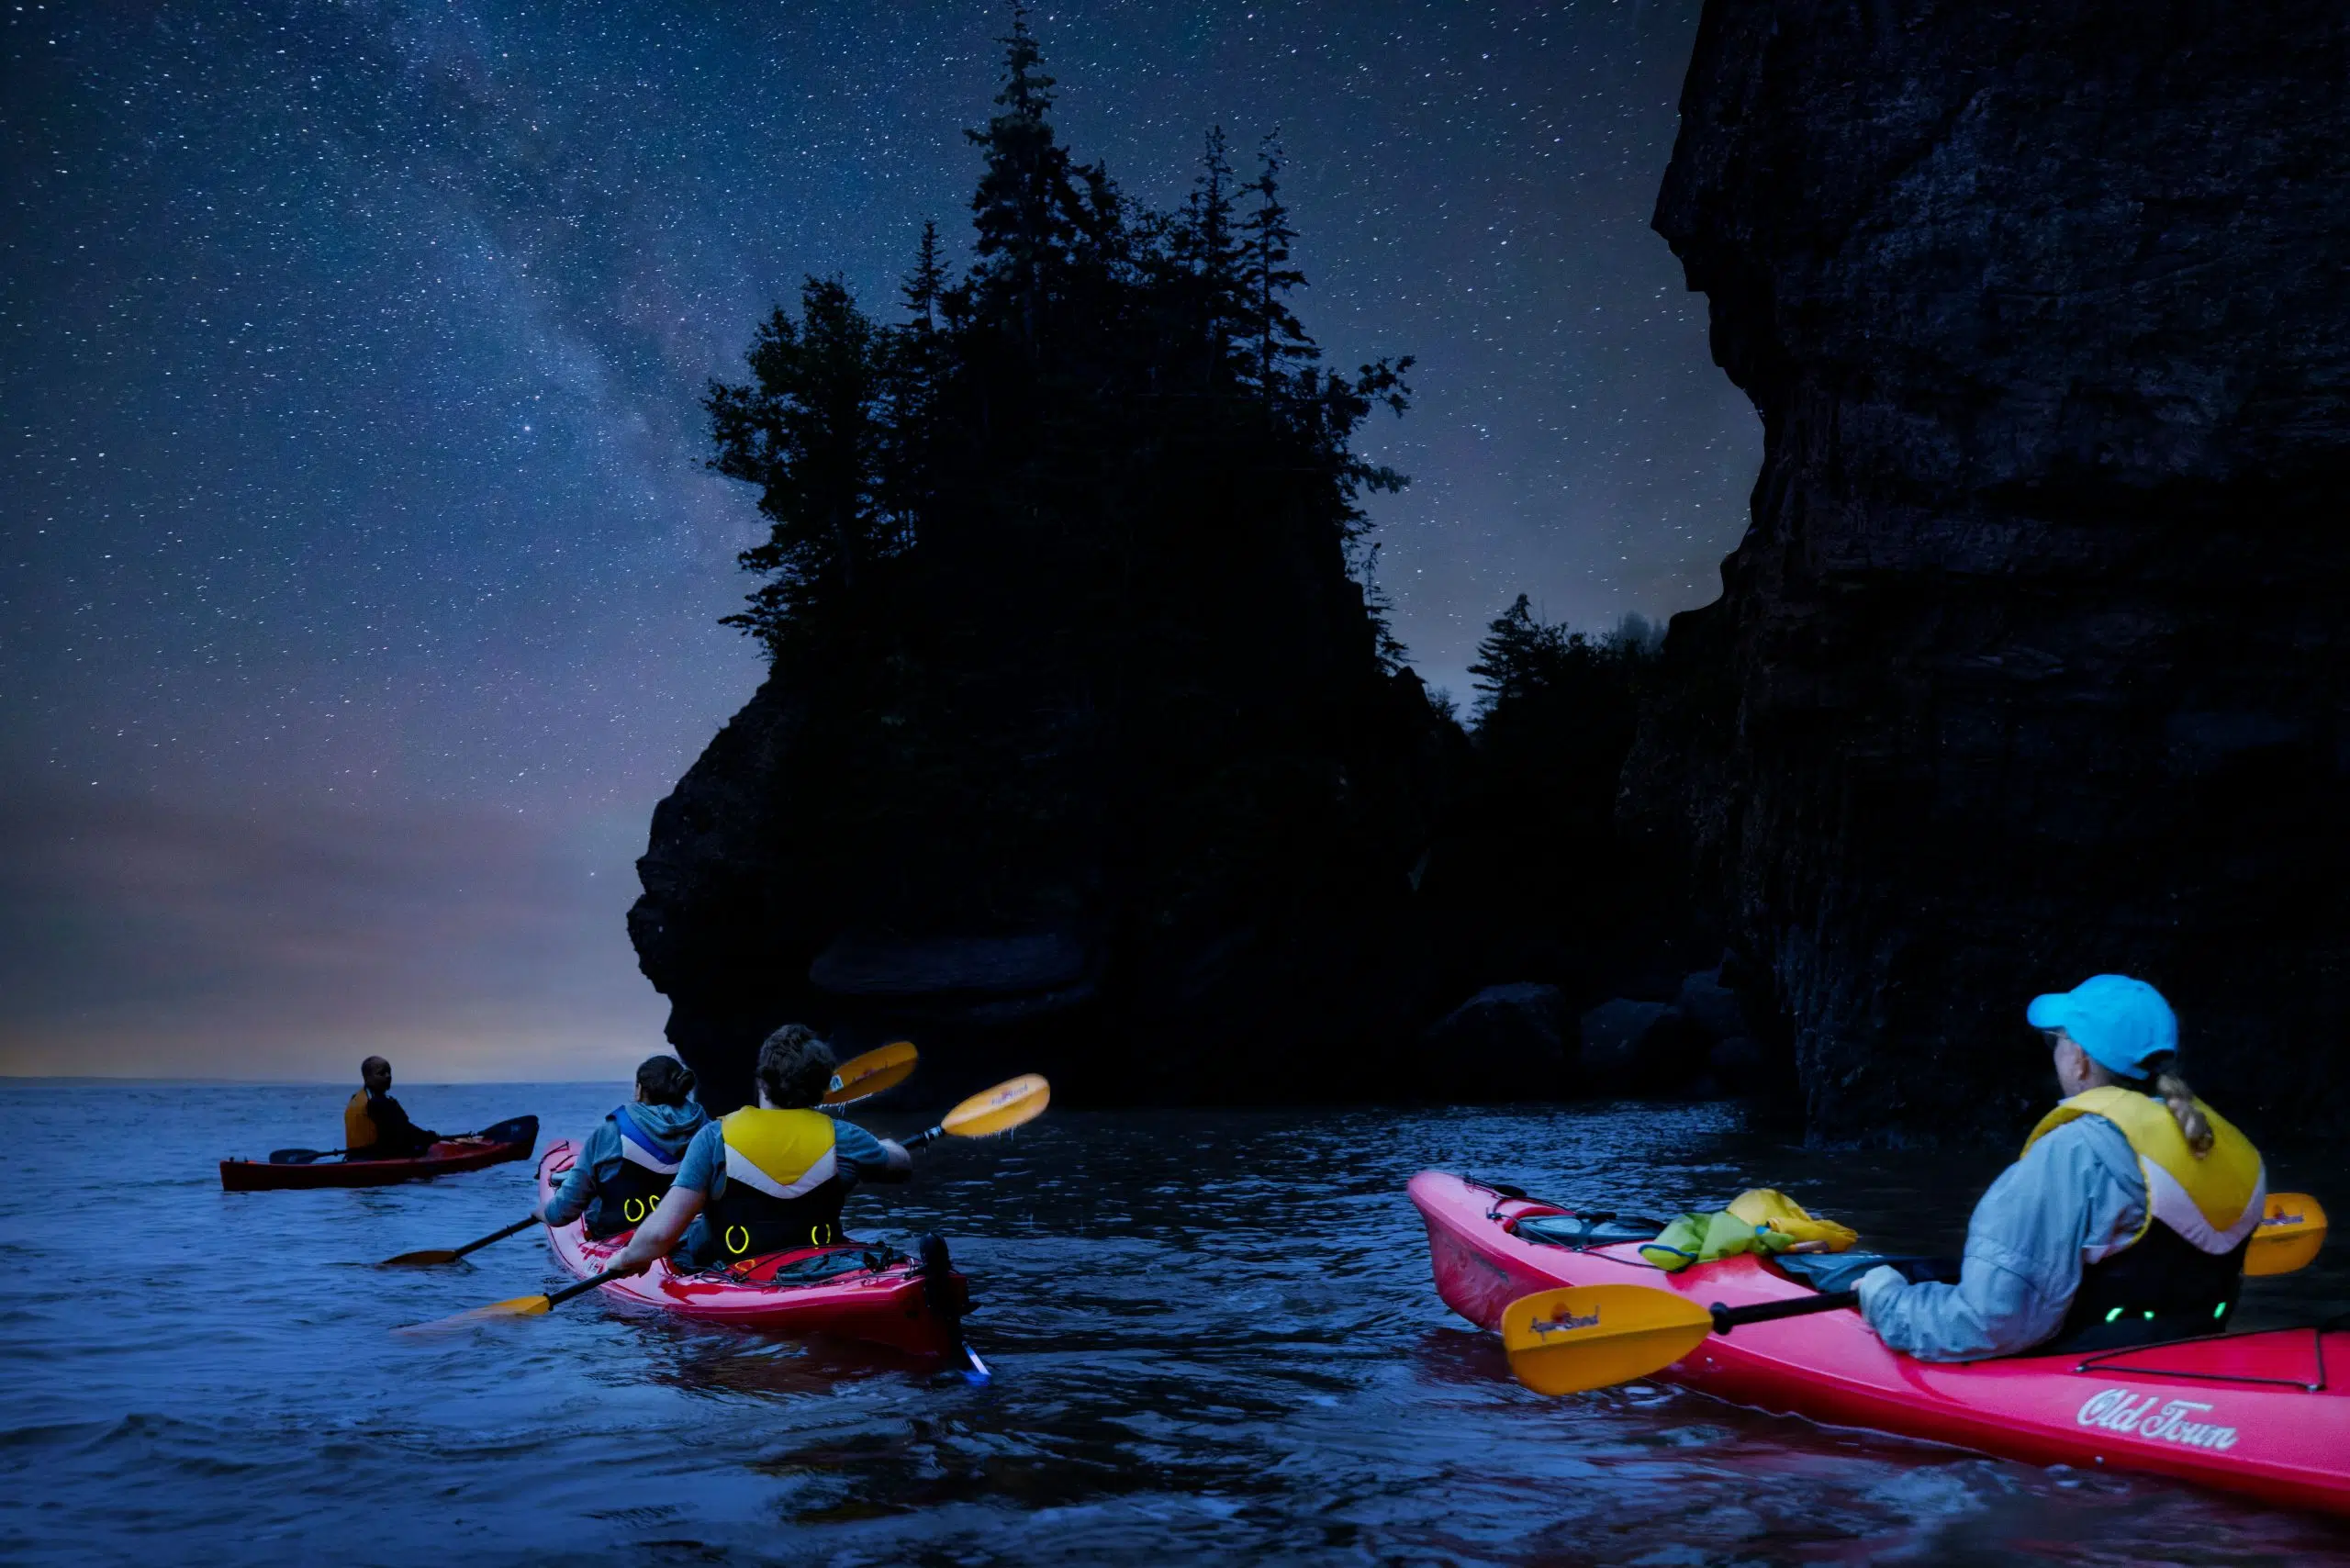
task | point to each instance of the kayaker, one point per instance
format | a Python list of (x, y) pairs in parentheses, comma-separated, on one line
[(769, 1179), (2125, 1220), (631, 1157), (374, 1126)]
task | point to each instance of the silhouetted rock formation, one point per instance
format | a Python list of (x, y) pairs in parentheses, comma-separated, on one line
[(1084, 749), (1265, 945), (2035, 662)]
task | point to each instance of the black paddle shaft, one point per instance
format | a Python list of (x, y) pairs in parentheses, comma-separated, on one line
[(583, 1287), (1728, 1318), (523, 1224)]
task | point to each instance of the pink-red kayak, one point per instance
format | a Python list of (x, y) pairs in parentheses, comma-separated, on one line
[(2251, 1413), (494, 1146), (823, 1290)]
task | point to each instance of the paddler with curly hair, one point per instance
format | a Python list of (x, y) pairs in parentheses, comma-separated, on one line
[(2124, 1222), (770, 1177)]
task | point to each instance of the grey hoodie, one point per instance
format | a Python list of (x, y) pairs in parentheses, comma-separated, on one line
[(670, 1127)]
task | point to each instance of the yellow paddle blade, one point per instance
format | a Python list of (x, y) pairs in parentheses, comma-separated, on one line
[(2291, 1229), (1564, 1341), (863, 1076), (519, 1306), (1001, 1109)]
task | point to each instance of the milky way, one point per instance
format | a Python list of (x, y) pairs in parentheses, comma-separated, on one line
[(362, 572)]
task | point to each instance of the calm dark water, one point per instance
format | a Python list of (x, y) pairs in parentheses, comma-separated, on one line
[(1213, 1335)]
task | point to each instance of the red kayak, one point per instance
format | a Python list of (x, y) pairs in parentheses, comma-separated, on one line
[(834, 1291), (492, 1146), (2251, 1413)]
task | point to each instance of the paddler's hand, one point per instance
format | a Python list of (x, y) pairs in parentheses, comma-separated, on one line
[(629, 1262), (901, 1163), (1875, 1285)]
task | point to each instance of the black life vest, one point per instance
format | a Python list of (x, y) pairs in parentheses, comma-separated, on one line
[(2162, 1288), (633, 1190), (783, 1185)]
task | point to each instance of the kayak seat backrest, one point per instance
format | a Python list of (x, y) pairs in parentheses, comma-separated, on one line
[(1581, 1231), (1828, 1272)]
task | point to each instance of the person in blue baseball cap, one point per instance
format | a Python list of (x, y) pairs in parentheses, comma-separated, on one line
[(2126, 1219)]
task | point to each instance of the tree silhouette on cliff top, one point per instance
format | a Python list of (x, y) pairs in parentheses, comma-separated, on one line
[(1071, 546)]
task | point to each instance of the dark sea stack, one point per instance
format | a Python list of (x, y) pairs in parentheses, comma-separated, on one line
[(2035, 661), (1240, 929), (1084, 748)]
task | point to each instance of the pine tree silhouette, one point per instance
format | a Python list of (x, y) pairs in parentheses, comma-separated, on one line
[(1066, 550), (1026, 213), (1279, 338)]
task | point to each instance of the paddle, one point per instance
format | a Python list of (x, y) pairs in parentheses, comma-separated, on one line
[(863, 1077), (311, 1155), (1584, 1336), (450, 1255), (984, 1114), (990, 1111), (517, 1307), (2291, 1229)]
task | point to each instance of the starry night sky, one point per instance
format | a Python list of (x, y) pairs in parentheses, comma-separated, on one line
[(361, 574)]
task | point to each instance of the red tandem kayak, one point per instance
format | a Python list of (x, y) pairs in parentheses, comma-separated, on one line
[(826, 1290), (492, 1146), (2251, 1413)]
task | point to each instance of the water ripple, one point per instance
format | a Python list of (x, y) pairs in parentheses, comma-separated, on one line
[(1214, 1338)]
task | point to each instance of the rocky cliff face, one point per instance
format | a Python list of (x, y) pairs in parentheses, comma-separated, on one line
[(2035, 661), (1242, 928)]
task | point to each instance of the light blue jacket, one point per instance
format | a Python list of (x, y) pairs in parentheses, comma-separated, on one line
[(2076, 1195), (670, 1127)]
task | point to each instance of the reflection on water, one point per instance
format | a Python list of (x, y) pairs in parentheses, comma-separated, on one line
[(1213, 1335)]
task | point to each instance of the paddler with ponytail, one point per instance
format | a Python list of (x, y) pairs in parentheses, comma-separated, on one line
[(625, 1170), (769, 1179), (2124, 1222)]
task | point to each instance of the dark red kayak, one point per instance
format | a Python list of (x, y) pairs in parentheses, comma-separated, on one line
[(491, 1146)]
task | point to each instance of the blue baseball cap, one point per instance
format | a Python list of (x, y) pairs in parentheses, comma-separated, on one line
[(2122, 1023)]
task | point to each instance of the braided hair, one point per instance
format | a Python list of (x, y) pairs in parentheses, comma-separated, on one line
[(2163, 1083)]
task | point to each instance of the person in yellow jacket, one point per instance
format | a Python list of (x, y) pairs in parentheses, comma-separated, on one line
[(2126, 1219), (374, 1126), (770, 1177)]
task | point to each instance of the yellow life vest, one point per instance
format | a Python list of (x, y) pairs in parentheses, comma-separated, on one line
[(783, 1154), (358, 1126), (783, 1188), (2212, 1201)]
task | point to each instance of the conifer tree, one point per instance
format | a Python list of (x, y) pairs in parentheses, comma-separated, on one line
[(809, 430), (1279, 338), (914, 364), (926, 285), (1207, 248), (1026, 212), (1517, 659)]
